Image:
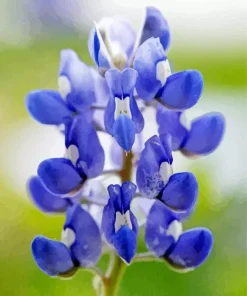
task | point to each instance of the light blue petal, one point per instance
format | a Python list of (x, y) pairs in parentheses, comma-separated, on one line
[(51, 256)]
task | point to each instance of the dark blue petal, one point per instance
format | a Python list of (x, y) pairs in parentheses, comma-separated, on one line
[(180, 192), (155, 26), (91, 154), (51, 256), (182, 90), (45, 200), (80, 79), (59, 175), (125, 243), (169, 122), (47, 107), (206, 134), (128, 190), (192, 248), (148, 55), (87, 246), (124, 132), (148, 177), (115, 196), (158, 236)]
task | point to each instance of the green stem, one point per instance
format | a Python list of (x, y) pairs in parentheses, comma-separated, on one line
[(113, 282)]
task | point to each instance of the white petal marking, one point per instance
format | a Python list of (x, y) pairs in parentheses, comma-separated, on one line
[(64, 86), (122, 107), (163, 71), (165, 171), (122, 219), (73, 154), (184, 121), (175, 229), (68, 237)]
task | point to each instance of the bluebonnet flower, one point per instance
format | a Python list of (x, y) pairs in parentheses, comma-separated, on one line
[(123, 118), (86, 160), (79, 87), (155, 177), (199, 137), (133, 73), (164, 236), (119, 224), (80, 245)]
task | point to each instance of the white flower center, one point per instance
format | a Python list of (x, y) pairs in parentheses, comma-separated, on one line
[(163, 71), (184, 121), (122, 107), (165, 171), (68, 237), (122, 219), (72, 154), (175, 229), (64, 86)]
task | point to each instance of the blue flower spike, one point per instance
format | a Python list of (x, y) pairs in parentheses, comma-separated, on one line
[(197, 138), (164, 236), (80, 245), (123, 118), (177, 191), (119, 224)]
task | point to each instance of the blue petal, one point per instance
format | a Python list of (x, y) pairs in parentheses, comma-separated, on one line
[(87, 246), (91, 154), (124, 132), (109, 115), (100, 89), (147, 57), (45, 200), (114, 80), (180, 192), (169, 122), (47, 107), (128, 190), (116, 197), (206, 134), (129, 77), (136, 115), (125, 242), (192, 248), (182, 90), (156, 26), (158, 221), (80, 78), (59, 176), (97, 49), (52, 257), (148, 175), (108, 221)]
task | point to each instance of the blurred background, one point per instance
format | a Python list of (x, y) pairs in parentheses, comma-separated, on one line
[(208, 35)]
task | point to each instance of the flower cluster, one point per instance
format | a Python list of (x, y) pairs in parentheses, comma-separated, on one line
[(132, 73)]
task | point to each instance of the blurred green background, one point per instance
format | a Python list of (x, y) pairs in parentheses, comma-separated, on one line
[(223, 211)]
